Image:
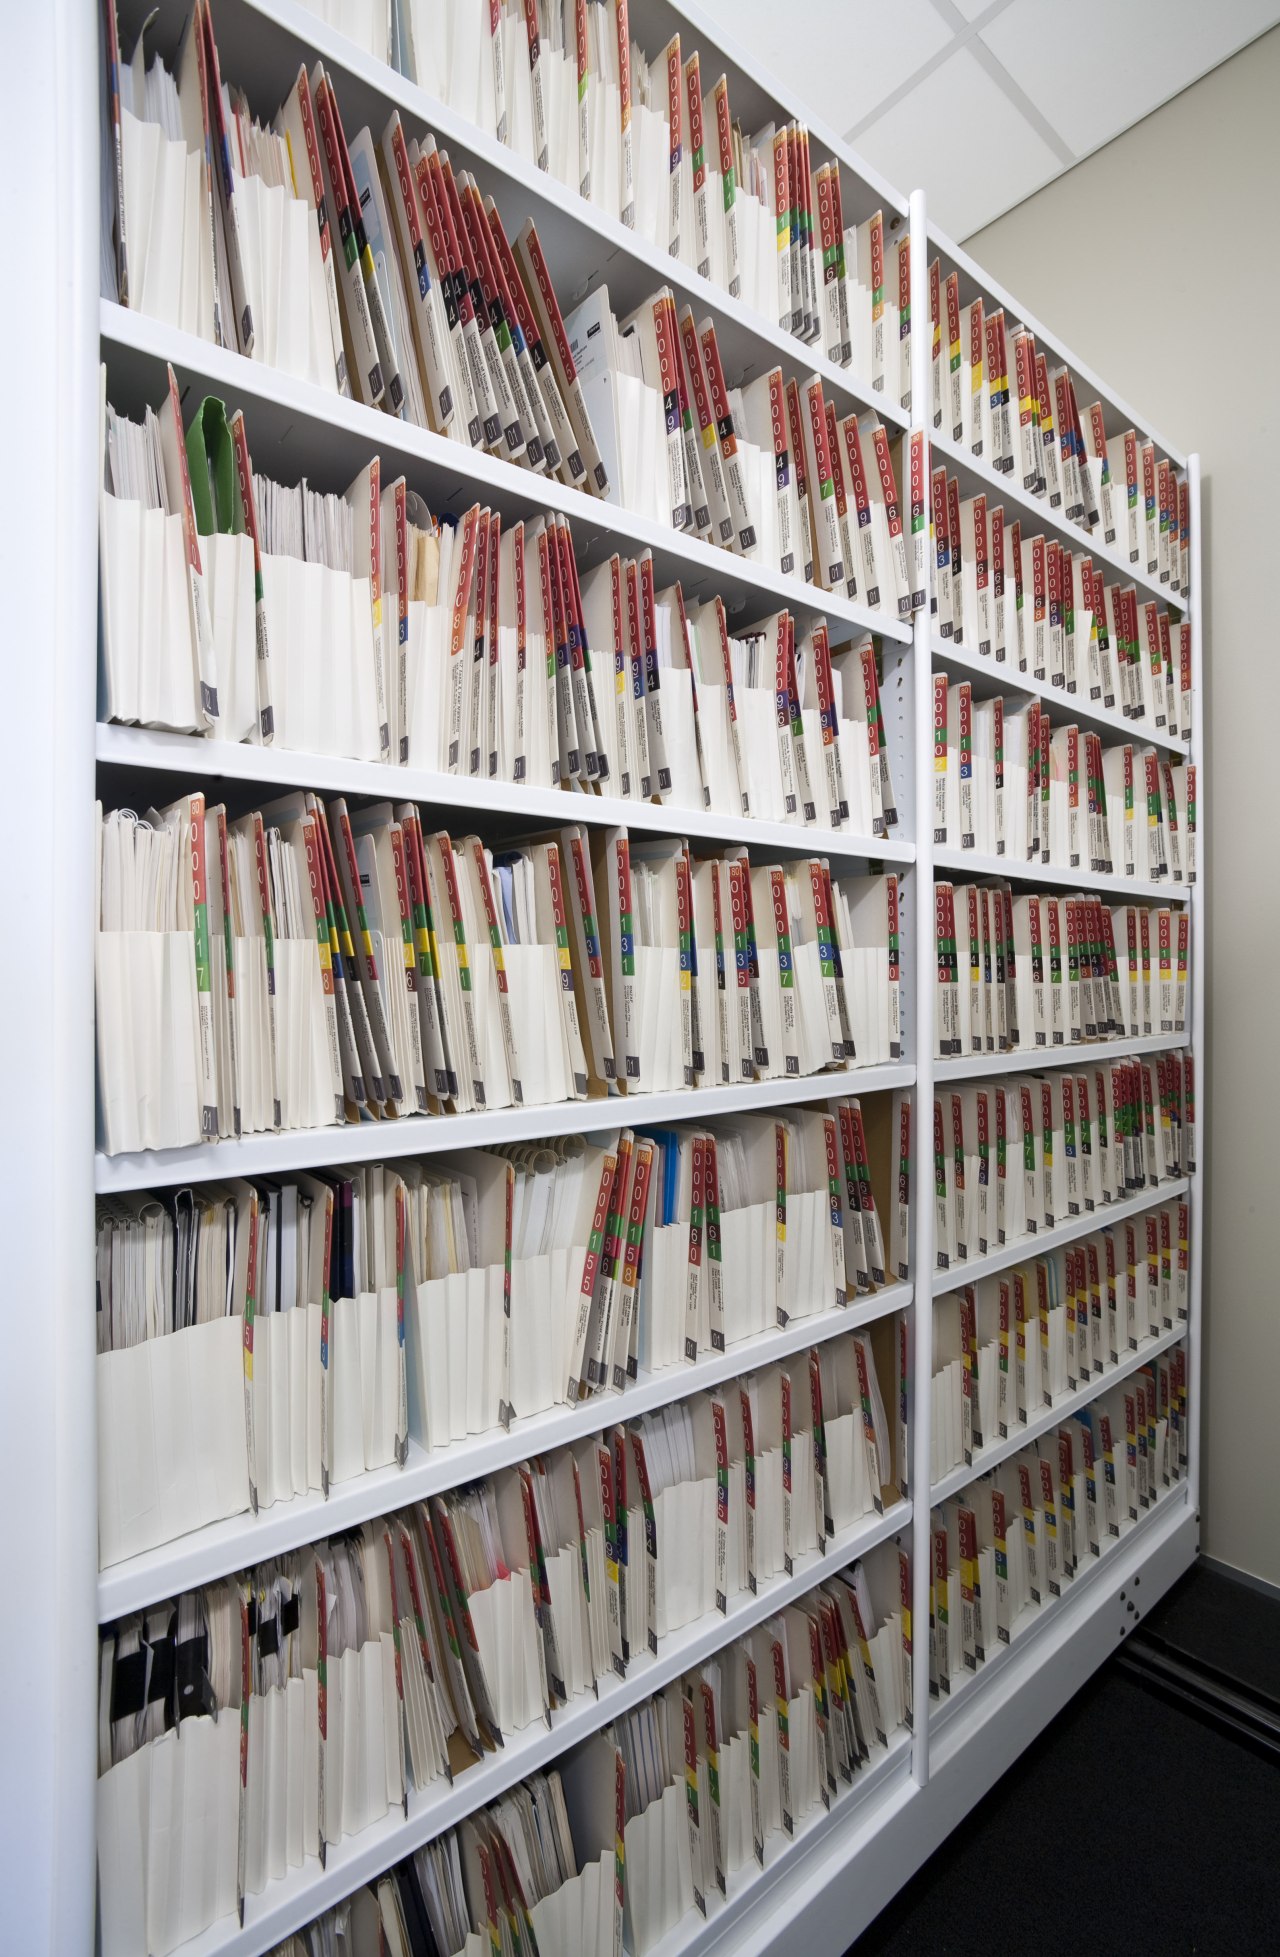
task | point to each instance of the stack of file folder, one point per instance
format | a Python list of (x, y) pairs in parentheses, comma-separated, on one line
[(1007, 782), (254, 1723), (267, 1717), (308, 964), (645, 1822), (1019, 1537), (1043, 970), (212, 216), (1014, 1343), (359, 625), (1113, 487), (258, 1340), (1016, 1157), (1027, 602), (371, 267)]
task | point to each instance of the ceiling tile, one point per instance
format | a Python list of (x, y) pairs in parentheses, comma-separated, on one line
[(1101, 67), (959, 137), (842, 61)]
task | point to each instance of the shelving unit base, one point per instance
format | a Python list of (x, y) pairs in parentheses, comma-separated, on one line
[(838, 1878)]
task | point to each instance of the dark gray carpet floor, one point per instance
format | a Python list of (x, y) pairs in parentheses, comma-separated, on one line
[(1130, 1826)]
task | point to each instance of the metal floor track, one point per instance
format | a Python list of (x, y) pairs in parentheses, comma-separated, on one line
[(1228, 1703)]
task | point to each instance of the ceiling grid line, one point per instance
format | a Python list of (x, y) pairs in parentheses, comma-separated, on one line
[(984, 102), (962, 30), (1022, 102)]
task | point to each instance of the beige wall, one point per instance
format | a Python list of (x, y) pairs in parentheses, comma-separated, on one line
[(1189, 338)]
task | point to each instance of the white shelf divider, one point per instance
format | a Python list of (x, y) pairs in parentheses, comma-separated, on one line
[(923, 1004), (50, 92), (1199, 937)]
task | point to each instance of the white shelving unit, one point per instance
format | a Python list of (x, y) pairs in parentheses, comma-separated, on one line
[(827, 1883)]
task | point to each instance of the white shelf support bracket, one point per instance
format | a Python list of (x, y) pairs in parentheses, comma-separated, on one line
[(922, 1032), (1198, 950), (50, 88)]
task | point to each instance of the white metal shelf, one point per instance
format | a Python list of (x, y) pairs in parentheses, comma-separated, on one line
[(298, 428), (191, 754), (978, 477), (1047, 1418), (296, 1898), (378, 1141), (978, 279), (979, 867), (992, 676), (1027, 1249), (967, 1066), (241, 1540), (972, 1689)]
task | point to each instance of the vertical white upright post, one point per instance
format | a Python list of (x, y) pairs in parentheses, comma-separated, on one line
[(49, 87), (1198, 961), (925, 992)]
